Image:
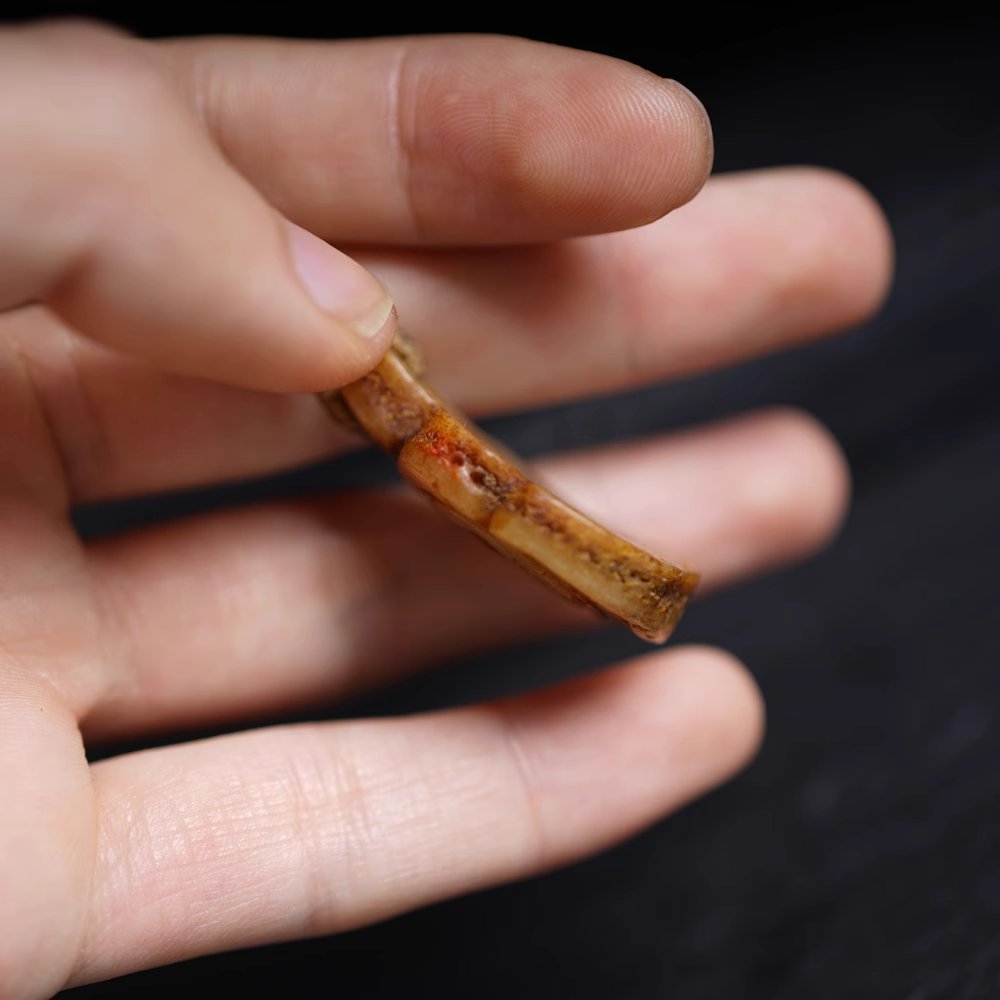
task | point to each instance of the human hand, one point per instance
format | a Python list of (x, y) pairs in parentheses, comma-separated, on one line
[(158, 336)]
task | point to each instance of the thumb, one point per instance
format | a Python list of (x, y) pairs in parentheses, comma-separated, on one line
[(120, 214)]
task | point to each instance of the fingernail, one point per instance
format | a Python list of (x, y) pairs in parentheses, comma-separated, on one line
[(339, 285)]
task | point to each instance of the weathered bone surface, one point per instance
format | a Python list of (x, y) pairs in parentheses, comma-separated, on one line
[(481, 486)]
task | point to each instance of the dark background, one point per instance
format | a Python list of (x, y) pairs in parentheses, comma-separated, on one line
[(859, 855)]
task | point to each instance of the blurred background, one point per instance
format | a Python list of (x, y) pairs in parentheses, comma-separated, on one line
[(859, 854)]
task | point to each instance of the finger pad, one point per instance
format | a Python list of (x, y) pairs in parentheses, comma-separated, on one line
[(616, 751), (537, 139)]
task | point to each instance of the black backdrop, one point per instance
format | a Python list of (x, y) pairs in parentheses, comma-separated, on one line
[(859, 855)]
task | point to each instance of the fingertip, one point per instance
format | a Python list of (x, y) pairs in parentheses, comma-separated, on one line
[(788, 485), (848, 256), (803, 489), (356, 306), (654, 155), (728, 708), (695, 147), (610, 753), (579, 142), (350, 353), (338, 284), (868, 231)]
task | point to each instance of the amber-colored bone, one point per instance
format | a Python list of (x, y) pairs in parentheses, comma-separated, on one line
[(481, 487)]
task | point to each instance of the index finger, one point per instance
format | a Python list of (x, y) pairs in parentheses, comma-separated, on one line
[(448, 140)]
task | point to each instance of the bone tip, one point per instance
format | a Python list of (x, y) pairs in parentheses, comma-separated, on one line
[(656, 629)]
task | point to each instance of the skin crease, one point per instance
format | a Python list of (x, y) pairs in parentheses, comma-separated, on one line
[(152, 343)]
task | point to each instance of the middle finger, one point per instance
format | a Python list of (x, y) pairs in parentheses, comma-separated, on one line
[(755, 263)]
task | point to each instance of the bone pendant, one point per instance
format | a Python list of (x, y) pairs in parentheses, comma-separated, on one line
[(478, 484)]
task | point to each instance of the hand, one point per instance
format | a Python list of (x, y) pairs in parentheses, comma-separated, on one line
[(160, 332)]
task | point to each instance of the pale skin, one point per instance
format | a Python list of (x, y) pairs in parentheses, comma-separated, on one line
[(542, 221)]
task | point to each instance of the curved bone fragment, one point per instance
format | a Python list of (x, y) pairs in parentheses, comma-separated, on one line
[(481, 486)]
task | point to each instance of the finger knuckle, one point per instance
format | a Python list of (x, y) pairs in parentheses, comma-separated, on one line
[(84, 83), (96, 117)]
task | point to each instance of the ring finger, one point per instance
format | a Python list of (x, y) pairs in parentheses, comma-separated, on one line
[(250, 611)]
